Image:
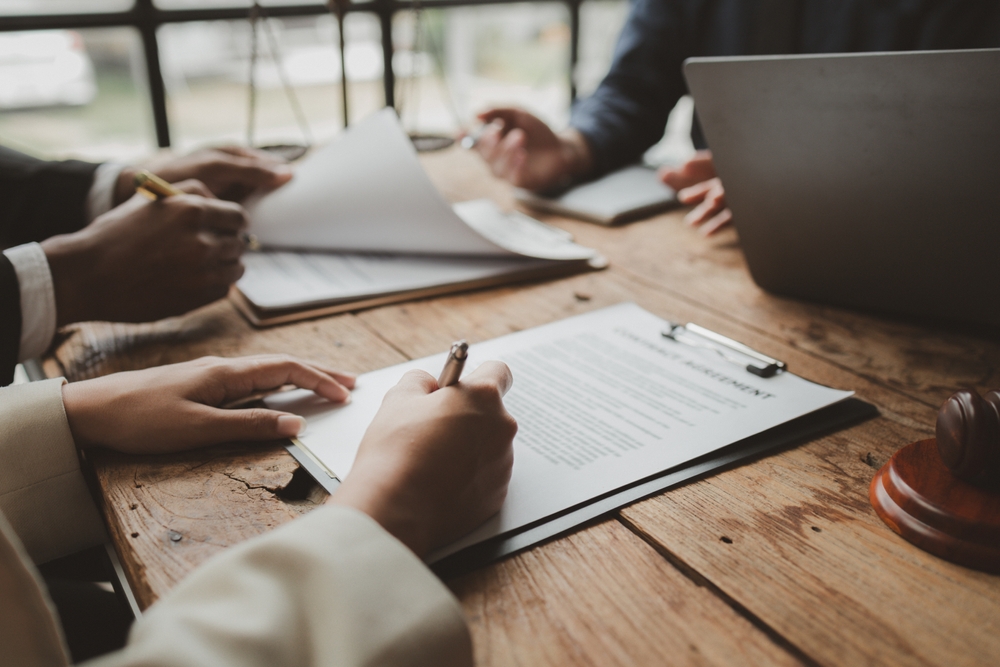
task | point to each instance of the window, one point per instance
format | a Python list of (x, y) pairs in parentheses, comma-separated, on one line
[(109, 100), (75, 92)]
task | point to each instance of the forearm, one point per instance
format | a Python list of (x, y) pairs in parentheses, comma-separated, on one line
[(39, 199), (619, 125), (42, 490), (628, 112), (579, 157), (331, 588)]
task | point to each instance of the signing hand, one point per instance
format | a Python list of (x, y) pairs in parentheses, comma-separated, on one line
[(696, 183), (176, 407), (523, 150), (146, 260), (229, 172), (435, 463)]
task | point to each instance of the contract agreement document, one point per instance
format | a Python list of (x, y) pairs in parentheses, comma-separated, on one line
[(602, 400), (361, 224)]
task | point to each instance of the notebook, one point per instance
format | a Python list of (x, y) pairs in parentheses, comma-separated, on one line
[(361, 225), (627, 194)]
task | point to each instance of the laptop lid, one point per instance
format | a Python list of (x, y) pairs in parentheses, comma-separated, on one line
[(864, 180)]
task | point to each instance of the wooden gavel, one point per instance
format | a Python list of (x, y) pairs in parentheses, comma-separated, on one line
[(943, 494), (968, 436)]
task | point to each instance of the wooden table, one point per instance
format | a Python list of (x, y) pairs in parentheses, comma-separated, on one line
[(781, 561)]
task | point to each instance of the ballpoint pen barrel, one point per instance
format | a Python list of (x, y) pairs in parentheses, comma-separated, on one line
[(453, 366)]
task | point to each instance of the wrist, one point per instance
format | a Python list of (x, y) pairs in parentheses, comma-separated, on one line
[(124, 186), (75, 403), (367, 498), (71, 260), (576, 154)]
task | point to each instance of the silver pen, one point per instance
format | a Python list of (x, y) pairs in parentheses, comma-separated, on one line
[(471, 140), (452, 370)]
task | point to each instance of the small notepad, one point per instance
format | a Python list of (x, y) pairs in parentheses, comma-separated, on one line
[(627, 194)]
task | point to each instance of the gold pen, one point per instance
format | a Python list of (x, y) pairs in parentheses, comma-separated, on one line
[(149, 184), (152, 186)]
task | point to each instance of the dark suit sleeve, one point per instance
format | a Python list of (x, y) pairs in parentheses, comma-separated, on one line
[(39, 199), (10, 320), (628, 111)]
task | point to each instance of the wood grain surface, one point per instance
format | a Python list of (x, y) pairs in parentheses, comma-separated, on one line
[(780, 561)]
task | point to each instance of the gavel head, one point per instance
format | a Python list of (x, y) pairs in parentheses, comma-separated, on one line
[(968, 436)]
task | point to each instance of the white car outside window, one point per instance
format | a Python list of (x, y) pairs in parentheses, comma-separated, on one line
[(45, 68)]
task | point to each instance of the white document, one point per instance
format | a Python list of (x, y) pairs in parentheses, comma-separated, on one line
[(285, 279), (602, 400), (366, 191), (367, 201), (279, 279)]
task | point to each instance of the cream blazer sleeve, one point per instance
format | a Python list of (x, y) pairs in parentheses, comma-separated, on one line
[(42, 490), (331, 588)]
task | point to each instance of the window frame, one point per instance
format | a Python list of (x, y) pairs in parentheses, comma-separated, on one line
[(146, 18)]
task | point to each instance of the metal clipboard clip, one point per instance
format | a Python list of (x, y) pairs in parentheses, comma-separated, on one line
[(759, 364)]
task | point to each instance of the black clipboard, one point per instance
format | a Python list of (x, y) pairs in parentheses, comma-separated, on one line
[(840, 415), (797, 431)]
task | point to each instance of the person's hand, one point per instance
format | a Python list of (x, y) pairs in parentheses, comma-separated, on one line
[(146, 260), (229, 172), (435, 463), (521, 149), (696, 183), (176, 407)]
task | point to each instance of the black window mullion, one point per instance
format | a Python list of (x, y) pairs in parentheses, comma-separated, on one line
[(146, 22)]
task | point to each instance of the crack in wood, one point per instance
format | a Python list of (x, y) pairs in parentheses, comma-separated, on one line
[(699, 579)]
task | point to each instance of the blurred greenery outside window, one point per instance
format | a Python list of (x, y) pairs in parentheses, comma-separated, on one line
[(75, 92), (450, 63)]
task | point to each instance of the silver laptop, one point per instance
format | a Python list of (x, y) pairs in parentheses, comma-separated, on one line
[(863, 180)]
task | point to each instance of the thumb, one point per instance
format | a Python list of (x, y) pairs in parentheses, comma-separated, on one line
[(220, 425)]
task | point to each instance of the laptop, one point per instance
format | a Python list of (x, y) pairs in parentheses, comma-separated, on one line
[(863, 180)]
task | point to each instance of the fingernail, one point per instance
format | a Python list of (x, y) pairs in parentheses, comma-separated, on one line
[(289, 425)]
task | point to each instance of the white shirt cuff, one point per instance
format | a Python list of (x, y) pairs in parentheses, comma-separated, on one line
[(101, 197), (38, 299)]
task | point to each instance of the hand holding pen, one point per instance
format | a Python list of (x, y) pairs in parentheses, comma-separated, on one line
[(433, 453), (152, 186), (145, 260)]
